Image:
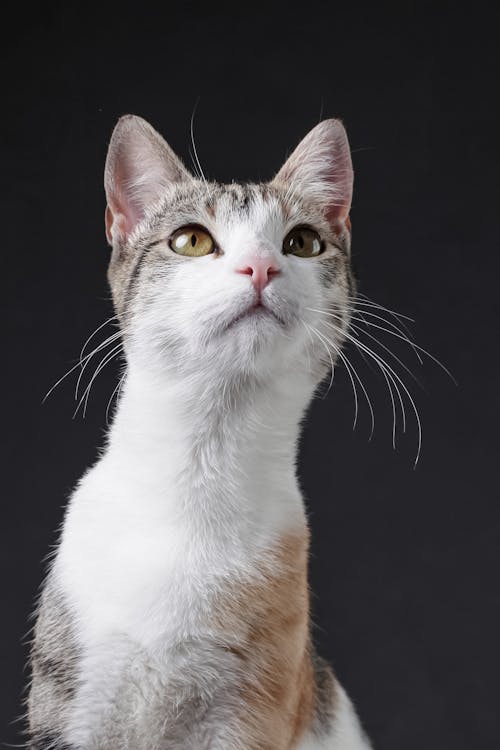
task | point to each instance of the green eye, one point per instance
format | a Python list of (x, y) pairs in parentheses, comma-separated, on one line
[(193, 241), (303, 242)]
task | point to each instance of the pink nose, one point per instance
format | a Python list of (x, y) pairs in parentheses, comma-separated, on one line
[(261, 270)]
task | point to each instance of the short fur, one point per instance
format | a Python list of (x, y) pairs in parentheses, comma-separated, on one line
[(176, 612)]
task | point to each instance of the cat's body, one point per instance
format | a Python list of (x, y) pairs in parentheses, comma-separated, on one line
[(176, 612)]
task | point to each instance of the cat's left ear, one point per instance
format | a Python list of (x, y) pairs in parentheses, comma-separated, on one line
[(320, 169), (140, 166)]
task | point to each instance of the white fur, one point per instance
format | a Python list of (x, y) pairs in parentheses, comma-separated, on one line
[(151, 524)]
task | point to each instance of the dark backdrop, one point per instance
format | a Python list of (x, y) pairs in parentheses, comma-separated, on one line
[(404, 561)]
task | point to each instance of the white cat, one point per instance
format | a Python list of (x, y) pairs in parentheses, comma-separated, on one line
[(176, 611)]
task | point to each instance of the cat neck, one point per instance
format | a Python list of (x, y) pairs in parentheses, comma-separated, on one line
[(209, 450)]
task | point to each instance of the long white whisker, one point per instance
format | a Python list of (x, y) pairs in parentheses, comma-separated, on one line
[(348, 364), (393, 403), (329, 354), (79, 364), (348, 368), (374, 325), (359, 306), (194, 144), (357, 329), (416, 346), (388, 372), (113, 317), (116, 391), (371, 303), (390, 385), (381, 364), (391, 370), (104, 361), (404, 330), (111, 339), (66, 374)]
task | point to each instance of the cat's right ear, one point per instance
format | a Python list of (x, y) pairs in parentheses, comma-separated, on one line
[(140, 166), (320, 169)]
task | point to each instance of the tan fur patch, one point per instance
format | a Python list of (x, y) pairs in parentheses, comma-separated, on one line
[(269, 622)]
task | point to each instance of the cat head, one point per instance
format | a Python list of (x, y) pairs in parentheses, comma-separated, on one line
[(236, 279)]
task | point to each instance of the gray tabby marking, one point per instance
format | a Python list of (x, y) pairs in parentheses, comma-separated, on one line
[(53, 662)]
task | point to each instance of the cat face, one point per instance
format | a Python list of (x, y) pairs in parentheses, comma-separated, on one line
[(229, 278)]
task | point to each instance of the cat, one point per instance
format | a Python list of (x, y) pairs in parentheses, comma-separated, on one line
[(176, 611)]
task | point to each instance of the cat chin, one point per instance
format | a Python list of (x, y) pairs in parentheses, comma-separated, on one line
[(255, 344), (255, 334), (249, 343)]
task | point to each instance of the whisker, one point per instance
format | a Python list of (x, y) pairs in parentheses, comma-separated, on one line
[(390, 375), (420, 348), (111, 339), (79, 364), (348, 365), (371, 303), (390, 382), (386, 374), (100, 327), (108, 357), (354, 389), (403, 330), (357, 329), (370, 323), (383, 363), (66, 374), (389, 351), (116, 391), (329, 354), (196, 159)]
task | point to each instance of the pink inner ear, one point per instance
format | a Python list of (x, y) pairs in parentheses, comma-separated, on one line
[(119, 224), (122, 213), (108, 221), (125, 213)]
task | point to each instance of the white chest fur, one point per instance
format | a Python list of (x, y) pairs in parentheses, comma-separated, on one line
[(174, 510)]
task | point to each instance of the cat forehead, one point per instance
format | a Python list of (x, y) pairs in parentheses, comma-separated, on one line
[(256, 206), (260, 206)]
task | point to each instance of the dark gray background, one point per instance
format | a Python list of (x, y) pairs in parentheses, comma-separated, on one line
[(404, 562)]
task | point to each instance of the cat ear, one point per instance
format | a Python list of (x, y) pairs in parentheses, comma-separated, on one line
[(140, 165), (320, 169)]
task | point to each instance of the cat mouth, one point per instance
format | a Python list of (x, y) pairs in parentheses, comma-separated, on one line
[(257, 311)]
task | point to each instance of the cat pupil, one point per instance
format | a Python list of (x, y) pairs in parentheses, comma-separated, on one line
[(193, 240), (301, 241)]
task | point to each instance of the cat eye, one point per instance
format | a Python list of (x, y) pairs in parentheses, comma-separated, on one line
[(303, 242), (193, 241)]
